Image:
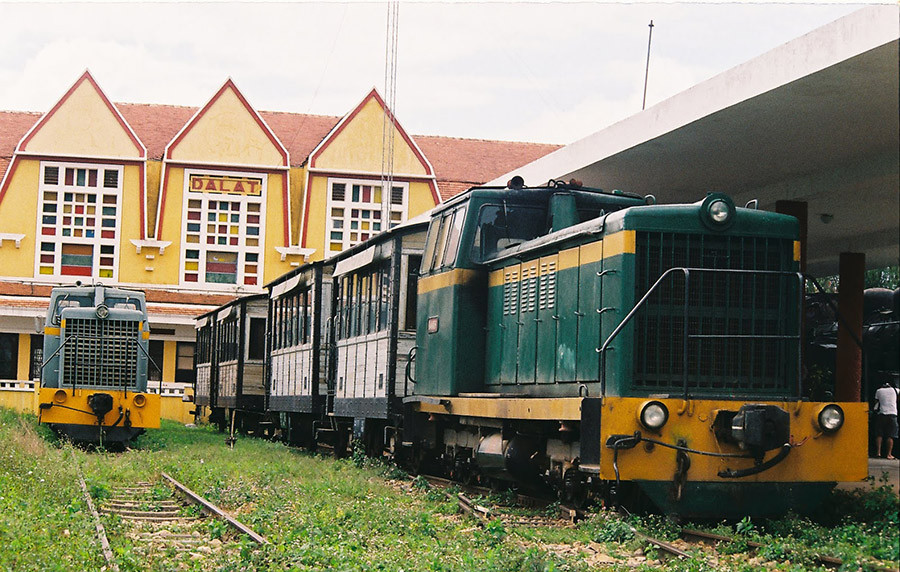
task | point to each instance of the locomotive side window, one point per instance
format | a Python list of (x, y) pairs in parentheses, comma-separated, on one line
[(505, 226), (429, 245), (450, 252), (442, 244)]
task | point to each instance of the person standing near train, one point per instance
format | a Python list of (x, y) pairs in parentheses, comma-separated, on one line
[(886, 398)]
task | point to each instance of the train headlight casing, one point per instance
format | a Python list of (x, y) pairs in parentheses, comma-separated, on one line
[(102, 312), (139, 400), (717, 211), (653, 415), (830, 418)]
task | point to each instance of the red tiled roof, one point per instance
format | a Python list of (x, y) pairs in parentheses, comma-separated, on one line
[(8, 288), (13, 126), (478, 161), (458, 163)]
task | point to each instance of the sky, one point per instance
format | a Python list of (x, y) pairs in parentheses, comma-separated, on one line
[(549, 72)]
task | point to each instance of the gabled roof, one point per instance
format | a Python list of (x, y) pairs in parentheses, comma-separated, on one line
[(458, 163), (105, 104), (196, 122)]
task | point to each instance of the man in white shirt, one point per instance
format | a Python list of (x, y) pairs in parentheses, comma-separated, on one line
[(886, 422)]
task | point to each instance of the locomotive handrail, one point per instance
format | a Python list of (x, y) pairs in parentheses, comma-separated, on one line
[(602, 350)]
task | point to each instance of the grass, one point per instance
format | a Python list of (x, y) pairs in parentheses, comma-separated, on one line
[(353, 514)]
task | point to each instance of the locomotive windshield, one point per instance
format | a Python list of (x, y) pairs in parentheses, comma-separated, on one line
[(506, 225), (68, 301)]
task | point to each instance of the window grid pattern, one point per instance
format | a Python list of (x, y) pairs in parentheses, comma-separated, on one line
[(78, 226), (358, 210), (223, 237)]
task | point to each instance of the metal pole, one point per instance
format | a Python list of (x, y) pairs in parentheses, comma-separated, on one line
[(647, 69)]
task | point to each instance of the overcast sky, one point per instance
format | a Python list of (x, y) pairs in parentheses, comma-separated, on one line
[(546, 72)]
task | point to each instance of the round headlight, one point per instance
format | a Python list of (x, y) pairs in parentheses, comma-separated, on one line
[(102, 312), (654, 415), (60, 396), (139, 400), (831, 418), (719, 211)]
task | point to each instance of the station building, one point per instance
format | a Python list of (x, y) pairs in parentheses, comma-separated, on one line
[(199, 206)]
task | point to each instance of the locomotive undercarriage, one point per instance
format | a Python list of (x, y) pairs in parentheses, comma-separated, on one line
[(535, 456)]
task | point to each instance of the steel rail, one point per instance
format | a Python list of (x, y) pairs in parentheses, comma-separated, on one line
[(101, 532), (210, 508)]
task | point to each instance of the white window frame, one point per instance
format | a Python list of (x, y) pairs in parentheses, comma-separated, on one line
[(347, 204), (241, 249), (96, 241)]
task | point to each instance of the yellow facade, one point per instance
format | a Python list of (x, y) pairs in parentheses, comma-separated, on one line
[(225, 138), (18, 211), (356, 151)]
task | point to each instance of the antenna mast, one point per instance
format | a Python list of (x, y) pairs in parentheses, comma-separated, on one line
[(647, 69), (389, 124)]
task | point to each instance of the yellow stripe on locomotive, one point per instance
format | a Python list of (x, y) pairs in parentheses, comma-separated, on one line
[(72, 407)]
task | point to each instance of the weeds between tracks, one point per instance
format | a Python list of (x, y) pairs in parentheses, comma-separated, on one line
[(322, 513)]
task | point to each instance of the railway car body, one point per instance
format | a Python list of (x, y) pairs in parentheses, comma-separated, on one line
[(297, 388), (583, 338), (94, 381), (231, 362), (373, 332)]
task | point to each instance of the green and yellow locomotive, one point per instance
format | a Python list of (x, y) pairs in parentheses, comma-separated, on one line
[(599, 342), (94, 378)]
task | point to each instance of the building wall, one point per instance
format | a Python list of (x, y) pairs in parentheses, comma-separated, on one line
[(226, 138)]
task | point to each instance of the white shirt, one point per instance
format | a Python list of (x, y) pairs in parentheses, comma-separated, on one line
[(887, 400)]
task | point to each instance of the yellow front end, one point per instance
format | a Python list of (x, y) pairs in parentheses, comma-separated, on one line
[(65, 406), (815, 456)]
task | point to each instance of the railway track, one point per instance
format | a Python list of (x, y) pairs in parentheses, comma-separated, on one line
[(694, 538), (160, 520), (690, 541), (566, 515)]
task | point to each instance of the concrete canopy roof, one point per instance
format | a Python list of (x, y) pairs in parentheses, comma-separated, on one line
[(813, 120)]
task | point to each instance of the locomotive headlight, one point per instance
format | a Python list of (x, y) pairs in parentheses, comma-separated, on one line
[(654, 415), (60, 396), (139, 400), (719, 211), (102, 312), (830, 418)]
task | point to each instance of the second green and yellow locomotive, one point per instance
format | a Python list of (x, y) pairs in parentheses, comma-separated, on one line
[(588, 339)]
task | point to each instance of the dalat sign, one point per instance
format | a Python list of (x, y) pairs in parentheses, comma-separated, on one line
[(226, 184)]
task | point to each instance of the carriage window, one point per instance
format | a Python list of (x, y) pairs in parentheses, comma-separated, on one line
[(505, 226), (256, 342)]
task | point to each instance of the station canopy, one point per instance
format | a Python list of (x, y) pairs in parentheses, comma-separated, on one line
[(813, 120)]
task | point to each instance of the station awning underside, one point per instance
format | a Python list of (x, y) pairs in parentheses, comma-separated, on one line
[(814, 120)]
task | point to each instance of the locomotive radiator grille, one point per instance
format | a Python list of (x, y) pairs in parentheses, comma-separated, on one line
[(742, 327), (100, 353)]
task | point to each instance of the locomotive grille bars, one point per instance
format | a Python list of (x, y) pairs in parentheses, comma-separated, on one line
[(100, 353), (739, 302)]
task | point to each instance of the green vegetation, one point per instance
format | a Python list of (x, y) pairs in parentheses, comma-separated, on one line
[(358, 514)]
